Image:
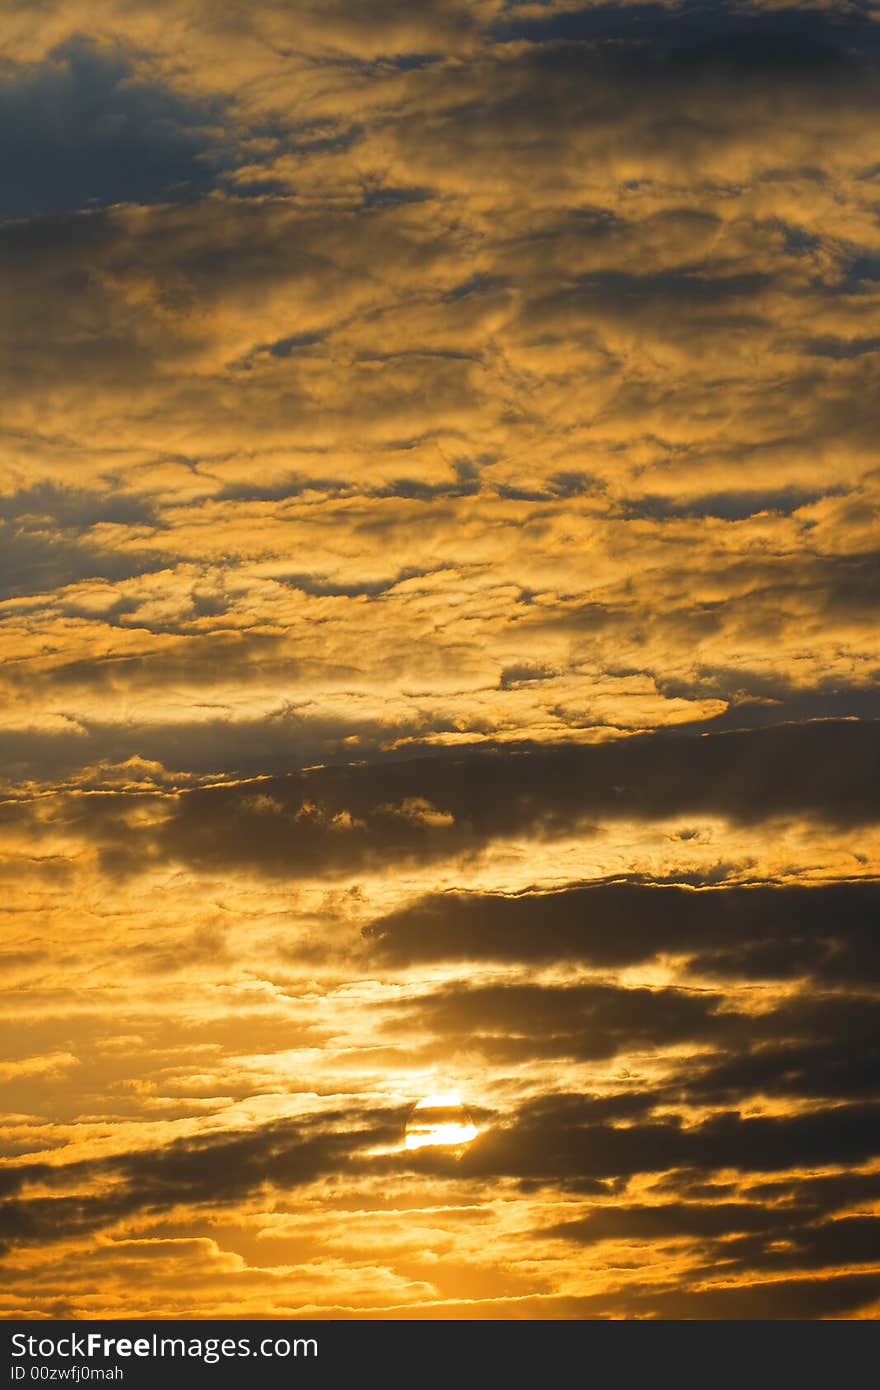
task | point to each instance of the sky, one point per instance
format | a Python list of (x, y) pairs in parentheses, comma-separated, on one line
[(439, 659)]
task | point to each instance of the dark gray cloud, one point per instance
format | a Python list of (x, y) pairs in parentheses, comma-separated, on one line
[(825, 1047), (825, 1296), (731, 505), (36, 560), (216, 1170), (762, 932), (739, 1237), (72, 509), (773, 701), (807, 38), (208, 747), (510, 1022), (837, 1062), (340, 818), (556, 1139), (669, 1221), (83, 129)]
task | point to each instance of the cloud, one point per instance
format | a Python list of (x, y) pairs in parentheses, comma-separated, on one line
[(710, 1052), (555, 1139), (511, 1021), (344, 818), (844, 1295), (438, 496), (760, 932), (82, 129), (213, 1170)]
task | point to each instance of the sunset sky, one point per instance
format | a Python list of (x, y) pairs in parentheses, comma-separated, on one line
[(439, 611)]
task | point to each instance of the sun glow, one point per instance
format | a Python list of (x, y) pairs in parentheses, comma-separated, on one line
[(439, 1119)]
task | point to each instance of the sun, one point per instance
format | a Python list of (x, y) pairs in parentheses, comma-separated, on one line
[(439, 1119)]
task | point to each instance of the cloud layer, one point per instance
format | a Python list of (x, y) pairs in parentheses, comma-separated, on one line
[(438, 653)]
